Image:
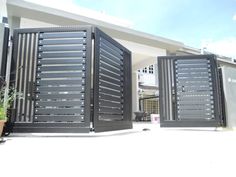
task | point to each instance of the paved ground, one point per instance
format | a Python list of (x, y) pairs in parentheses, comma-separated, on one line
[(157, 152)]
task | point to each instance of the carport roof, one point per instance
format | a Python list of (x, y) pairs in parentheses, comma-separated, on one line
[(46, 14)]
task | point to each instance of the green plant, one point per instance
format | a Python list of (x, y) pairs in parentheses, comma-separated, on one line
[(7, 96)]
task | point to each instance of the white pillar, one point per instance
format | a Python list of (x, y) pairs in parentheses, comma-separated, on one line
[(14, 22), (135, 97), (229, 84), (3, 9)]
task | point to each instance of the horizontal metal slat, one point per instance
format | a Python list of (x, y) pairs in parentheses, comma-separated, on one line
[(60, 96), (203, 106), (110, 117), (61, 118), (194, 112), (194, 74), (110, 50), (110, 62), (195, 93), (192, 65), (195, 102), (110, 80), (112, 69), (187, 73), (110, 98), (61, 55), (61, 42), (60, 89), (192, 117), (184, 70), (60, 103), (107, 56), (193, 79), (62, 111), (109, 85), (186, 61), (110, 111), (61, 82), (195, 87), (61, 75), (110, 104), (61, 68), (62, 61), (62, 48), (195, 97), (110, 45), (116, 58), (110, 74), (62, 35), (189, 83), (110, 92)]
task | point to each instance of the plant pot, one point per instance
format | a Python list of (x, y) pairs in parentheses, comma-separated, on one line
[(2, 123)]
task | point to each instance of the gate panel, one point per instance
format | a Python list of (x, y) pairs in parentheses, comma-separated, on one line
[(53, 69), (189, 91), (112, 84)]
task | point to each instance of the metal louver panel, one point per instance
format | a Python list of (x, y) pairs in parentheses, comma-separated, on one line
[(194, 90), (53, 69), (112, 58), (112, 94), (189, 91)]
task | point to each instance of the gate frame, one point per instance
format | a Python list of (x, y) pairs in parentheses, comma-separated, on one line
[(217, 95), (4, 48), (126, 122), (47, 127)]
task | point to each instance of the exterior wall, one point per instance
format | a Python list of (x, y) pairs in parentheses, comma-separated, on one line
[(3, 9), (135, 96), (229, 83), (149, 78), (28, 23)]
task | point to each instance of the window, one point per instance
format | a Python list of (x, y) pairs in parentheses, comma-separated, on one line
[(145, 70), (151, 70)]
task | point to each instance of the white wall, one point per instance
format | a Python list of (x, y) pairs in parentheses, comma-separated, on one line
[(28, 23), (229, 83), (3, 9), (147, 79)]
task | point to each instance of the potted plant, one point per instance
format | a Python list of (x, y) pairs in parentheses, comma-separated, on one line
[(7, 96)]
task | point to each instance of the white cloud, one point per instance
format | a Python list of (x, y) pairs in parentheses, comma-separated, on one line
[(225, 47)]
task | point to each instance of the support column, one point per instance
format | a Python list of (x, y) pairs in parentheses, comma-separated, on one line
[(14, 22), (3, 9), (135, 97)]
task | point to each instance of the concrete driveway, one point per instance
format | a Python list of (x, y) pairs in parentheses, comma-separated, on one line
[(154, 152)]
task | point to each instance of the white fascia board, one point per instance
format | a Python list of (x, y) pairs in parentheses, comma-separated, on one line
[(59, 17)]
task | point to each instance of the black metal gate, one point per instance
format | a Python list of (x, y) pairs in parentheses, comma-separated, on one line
[(52, 68), (53, 71), (112, 84), (189, 91)]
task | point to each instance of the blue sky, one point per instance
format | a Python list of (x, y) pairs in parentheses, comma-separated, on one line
[(188, 21)]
